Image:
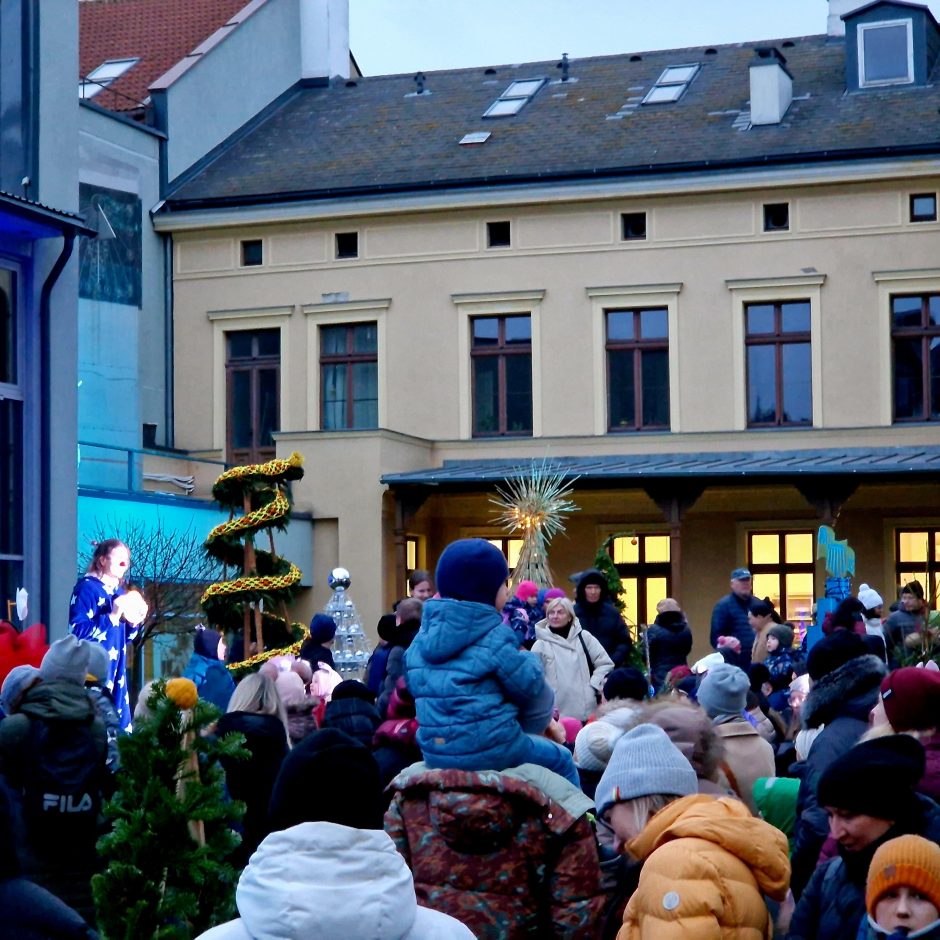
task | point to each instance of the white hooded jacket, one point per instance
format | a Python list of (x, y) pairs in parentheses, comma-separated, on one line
[(319, 879), (566, 667)]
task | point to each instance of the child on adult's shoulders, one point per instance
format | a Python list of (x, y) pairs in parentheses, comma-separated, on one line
[(475, 691)]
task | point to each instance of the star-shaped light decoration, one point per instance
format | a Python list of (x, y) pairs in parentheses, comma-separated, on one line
[(534, 502)]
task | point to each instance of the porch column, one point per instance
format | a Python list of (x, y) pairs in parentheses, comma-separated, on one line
[(675, 499)]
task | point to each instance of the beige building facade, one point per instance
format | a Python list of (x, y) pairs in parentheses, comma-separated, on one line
[(728, 345)]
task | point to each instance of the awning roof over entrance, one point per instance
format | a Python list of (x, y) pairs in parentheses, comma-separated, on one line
[(28, 219), (726, 465)]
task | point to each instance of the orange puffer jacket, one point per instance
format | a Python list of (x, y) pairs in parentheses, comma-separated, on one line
[(708, 862)]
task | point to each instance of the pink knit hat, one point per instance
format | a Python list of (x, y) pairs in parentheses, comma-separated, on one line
[(526, 590), (572, 726)]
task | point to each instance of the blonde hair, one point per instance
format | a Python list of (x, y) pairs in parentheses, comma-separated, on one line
[(257, 694), (646, 807), (564, 604)]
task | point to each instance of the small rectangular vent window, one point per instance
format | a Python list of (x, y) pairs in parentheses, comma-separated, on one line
[(776, 216), (514, 98), (252, 253), (671, 85), (924, 207), (347, 244), (632, 226), (498, 235)]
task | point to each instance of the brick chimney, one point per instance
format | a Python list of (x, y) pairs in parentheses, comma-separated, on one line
[(771, 87), (324, 38)]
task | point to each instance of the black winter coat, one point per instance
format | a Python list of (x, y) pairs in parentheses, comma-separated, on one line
[(602, 620), (670, 642), (355, 716), (253, 780), (841, 701), (32, 913), (833, 905), (729, 618)]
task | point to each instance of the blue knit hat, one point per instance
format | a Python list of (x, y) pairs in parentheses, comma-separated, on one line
[(322, 628), (645, 762), (471, 570)]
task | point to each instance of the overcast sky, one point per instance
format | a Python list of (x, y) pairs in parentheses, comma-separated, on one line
[(389, 36)]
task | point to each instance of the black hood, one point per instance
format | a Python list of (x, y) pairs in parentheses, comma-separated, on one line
[(592, 576), (673, 620)]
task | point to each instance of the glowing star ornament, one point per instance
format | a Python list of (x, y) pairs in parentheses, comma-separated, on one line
[(534, 503)]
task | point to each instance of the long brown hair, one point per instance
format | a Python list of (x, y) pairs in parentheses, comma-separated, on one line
[(101, 554)]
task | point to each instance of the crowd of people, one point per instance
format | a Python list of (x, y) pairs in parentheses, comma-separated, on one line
[(511, 766)]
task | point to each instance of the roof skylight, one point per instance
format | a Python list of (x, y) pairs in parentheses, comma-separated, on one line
[(104, 75), (514, 98), (671, 84)]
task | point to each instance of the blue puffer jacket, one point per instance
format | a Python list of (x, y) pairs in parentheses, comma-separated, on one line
[(214, 682), (469, 679)]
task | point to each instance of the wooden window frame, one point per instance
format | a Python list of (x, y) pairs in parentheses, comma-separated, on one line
[(931, 566), (252, 365), (925, 333), (782, 568), (778, 339), (349, 358), (501, 351), (637, 346), (642, 570)]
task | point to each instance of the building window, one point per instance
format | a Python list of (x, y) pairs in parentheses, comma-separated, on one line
[(252, 379), (671, 84), (510, 547), (347, 244), (915, 337), (917, 558), (632, 226), (501, 366), (12, 448), (349, 377), (783, 566), (637, 369), (498, 234), (514, 98), (924, 207), (252, 253), (411, 561), (885, 53), (779, 366), (106, 73), (776, 216), (644, 565)]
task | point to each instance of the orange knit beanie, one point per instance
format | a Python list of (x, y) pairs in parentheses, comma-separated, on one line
[(908, 861)]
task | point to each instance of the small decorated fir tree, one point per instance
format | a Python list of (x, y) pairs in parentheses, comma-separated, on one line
[(167, 876)]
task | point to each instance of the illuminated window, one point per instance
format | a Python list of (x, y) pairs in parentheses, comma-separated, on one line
[(917, 558), (510, 548), (411, 561), (643, 563), (783, 565)]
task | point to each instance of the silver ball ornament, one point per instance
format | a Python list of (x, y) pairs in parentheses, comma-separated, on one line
[(339, 578)]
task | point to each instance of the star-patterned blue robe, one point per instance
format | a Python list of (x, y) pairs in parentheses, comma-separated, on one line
[(89, 610)]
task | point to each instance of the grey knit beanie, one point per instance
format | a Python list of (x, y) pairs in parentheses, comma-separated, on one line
[(99, 662), (66, 659), (724, 690), (645, 762)]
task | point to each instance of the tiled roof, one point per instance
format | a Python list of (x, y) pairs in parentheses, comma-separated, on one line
[(727, 465), (375, 134), (158, 32)]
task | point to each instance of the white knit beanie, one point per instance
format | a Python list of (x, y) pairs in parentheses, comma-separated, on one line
[(645, 762), (594, 745), (869, 597)]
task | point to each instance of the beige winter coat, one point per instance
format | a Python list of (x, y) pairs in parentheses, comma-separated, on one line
[(566, 667), (747, 755)]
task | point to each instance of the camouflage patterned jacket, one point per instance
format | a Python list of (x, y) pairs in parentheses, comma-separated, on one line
[(509, 854)]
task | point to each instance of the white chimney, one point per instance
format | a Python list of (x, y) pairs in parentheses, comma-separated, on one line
[(837, 9), (771, 87), (324, 38)]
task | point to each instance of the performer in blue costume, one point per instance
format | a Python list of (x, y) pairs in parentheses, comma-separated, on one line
[(103, 611)]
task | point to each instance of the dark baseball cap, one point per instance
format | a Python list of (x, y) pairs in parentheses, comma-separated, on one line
[(741, 574)]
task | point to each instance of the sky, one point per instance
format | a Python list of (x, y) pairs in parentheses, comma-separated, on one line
[(391, 36)]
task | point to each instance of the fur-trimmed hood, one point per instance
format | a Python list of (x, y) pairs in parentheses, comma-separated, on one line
[(851, 690)]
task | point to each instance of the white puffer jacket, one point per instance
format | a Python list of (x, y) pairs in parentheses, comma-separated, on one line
[(566, 667), (323, 880)]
